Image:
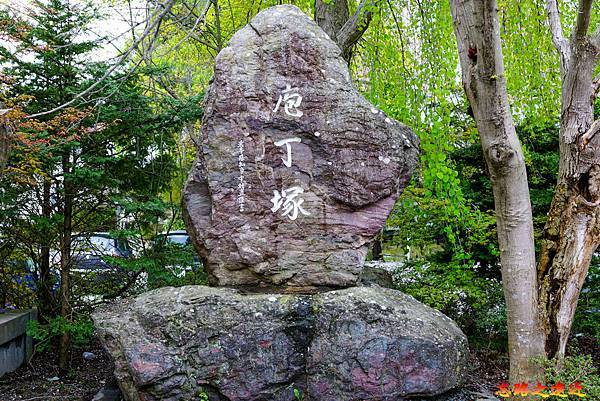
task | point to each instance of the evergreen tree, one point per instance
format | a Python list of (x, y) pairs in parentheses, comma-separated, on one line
[(68, 171)]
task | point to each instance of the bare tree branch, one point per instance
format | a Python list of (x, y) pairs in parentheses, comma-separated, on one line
[(583, 19), (159, 16), (589, 134), (189, 32), (558, 37), (356, 26)]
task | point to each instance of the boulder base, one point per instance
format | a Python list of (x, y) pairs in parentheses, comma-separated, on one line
[(361, 343)]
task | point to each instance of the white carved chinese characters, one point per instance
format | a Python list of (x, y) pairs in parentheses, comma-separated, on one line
[(287, 142), (290, 201), (291, 101)]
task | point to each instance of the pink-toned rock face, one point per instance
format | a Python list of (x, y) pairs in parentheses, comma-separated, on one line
[(297, 171), (355, 344)]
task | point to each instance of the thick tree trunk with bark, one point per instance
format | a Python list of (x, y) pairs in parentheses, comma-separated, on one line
[(479, 45), (572, 232)]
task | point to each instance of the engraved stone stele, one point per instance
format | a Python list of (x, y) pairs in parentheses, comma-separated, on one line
[(296, 172), (295, 175)]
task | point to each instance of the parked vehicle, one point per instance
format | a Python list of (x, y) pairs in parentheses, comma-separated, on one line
[(89, 251), (180, 237), (93, 274), (19, 280)]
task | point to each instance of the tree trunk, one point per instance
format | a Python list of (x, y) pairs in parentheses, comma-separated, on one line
[(333, 16), (571, 235), (45, 301), (479, 46), (377, 251), (65, 261)]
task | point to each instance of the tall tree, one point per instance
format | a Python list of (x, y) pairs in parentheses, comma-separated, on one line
[(480, 50), (572, 232), (540, 302), (69, 169)]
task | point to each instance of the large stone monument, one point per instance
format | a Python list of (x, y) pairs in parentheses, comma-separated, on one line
[(361, 343), (296, 174)]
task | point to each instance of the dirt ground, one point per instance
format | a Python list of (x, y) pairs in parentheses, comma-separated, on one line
[(37, 381)]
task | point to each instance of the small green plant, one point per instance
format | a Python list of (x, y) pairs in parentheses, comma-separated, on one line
[(202, 396), (298, 394), (476, 303), (81, 331), (572, 369)]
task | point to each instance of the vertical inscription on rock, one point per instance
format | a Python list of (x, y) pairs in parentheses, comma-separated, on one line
[(317, 167)]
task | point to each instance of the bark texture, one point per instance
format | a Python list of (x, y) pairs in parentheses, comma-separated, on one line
[(479, 45), (333, 16), (572, 232)]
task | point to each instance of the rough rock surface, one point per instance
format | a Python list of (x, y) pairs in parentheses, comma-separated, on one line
[(296, 172), (362, 343)]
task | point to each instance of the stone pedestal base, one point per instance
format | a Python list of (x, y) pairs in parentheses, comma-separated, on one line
[(16, 346), (360, 343)]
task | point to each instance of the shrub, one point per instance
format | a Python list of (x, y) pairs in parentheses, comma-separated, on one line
[(81, 331), (573, 369), (475, 303)]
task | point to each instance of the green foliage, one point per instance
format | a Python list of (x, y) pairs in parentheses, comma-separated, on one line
[(587, 315), (202, 395), (573, 369), (163, 264), (80, 330), (175, 265), (457, 261), (474, 302), (298, 394), (115, 152)]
